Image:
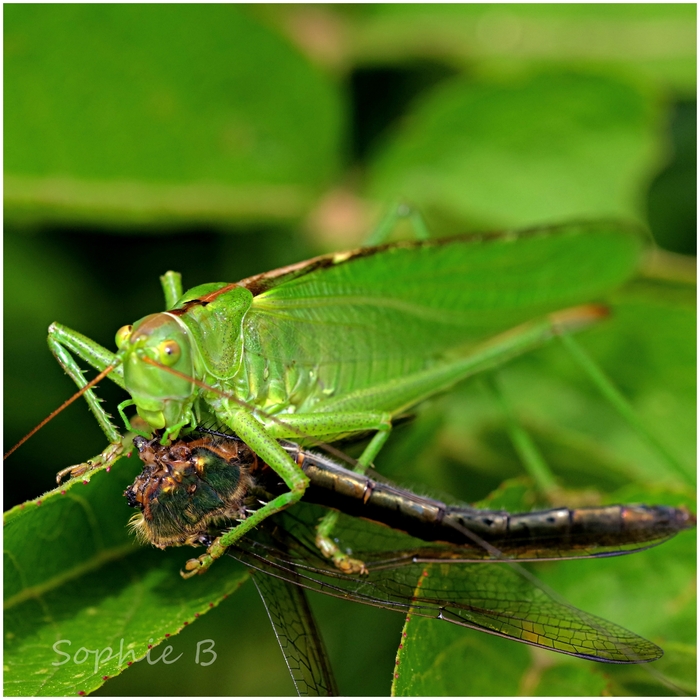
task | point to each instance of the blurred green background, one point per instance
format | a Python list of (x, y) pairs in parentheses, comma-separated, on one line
[(222, 141)]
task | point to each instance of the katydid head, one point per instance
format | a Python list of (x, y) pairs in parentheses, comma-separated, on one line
[(146, 349)]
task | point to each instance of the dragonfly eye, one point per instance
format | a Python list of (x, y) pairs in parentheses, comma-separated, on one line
[(123, 334), (169, 352)]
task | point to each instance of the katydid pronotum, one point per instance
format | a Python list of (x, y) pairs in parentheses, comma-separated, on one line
[(346, 343)]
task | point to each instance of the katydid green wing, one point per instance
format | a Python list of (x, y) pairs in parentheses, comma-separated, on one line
[(366, 317)]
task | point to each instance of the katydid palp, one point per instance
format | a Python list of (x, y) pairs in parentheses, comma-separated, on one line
[(346, 343)]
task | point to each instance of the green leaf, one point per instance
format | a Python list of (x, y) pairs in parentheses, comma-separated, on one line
[(442, 659), (149, 113), (554, 147), (653, 41), (82, 603)]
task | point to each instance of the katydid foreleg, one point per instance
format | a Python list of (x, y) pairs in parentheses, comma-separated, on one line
[(61, 342), (64, 343)]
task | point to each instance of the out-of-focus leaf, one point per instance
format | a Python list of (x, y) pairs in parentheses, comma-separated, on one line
[(673, 675), (81, 602), (555, 147), (672, 201), (656, 41), (583, 438), (153, 113)]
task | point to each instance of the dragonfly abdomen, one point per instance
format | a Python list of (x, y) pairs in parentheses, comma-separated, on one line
[(552, 533)]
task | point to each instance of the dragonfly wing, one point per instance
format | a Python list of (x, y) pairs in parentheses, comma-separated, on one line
[(375, 314), (497, 597), (505, 600), (298, 635)]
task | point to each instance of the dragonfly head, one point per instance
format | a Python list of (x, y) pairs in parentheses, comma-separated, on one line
[(188, 488), (147, 349)]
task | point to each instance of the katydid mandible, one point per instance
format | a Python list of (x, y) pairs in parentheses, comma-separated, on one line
[(346, 343)]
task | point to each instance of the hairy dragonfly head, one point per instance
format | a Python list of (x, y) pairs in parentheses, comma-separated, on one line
[(162, 398), (189, 488)]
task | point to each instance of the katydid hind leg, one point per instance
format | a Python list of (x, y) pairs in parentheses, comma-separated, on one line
[(324, 530), (403, 393), (301, 426), (398, 211)]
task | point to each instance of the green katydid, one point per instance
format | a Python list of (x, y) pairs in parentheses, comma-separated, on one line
[(346, 343)]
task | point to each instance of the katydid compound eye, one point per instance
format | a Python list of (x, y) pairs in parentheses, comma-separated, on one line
[(169, 352), (123, 335)]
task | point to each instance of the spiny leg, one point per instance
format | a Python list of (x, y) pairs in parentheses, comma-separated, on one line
[(324, 530), (113, 452), (64, 341), (269, 450), (326, 424)]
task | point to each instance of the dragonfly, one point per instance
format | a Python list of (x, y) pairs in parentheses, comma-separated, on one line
[(420, 555), (346, 343)]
